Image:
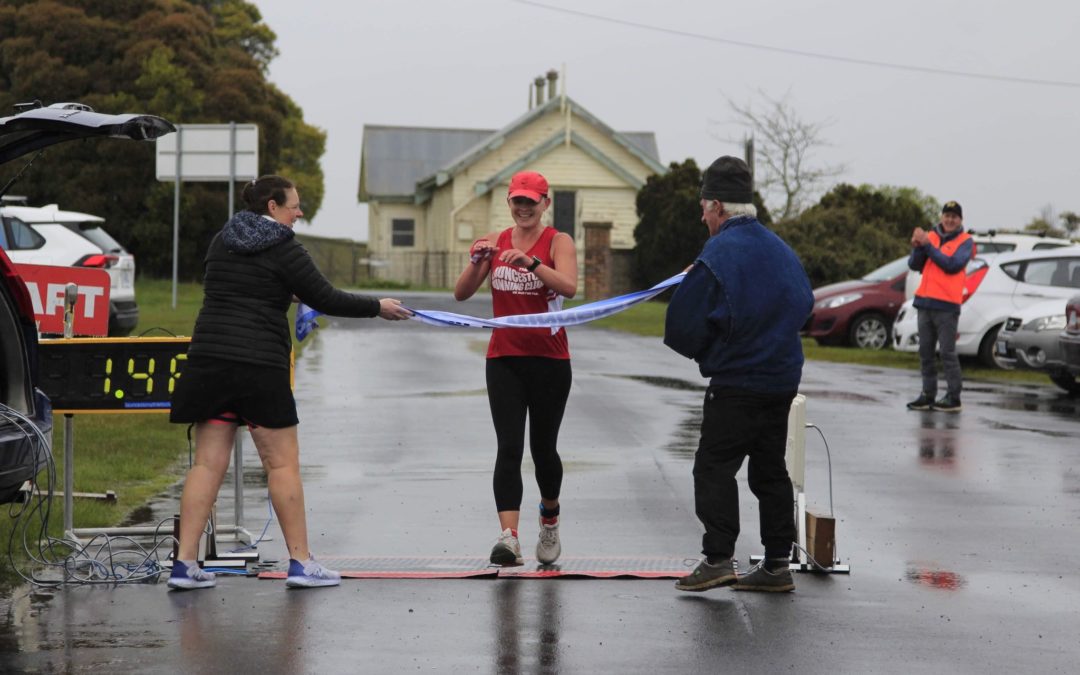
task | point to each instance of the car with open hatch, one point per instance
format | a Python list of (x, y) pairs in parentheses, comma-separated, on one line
[(25, 413)]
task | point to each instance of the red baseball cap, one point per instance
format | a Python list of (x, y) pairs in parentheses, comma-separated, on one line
[(528, 184)]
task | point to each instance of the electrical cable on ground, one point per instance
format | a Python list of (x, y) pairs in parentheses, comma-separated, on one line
[(58, 561)]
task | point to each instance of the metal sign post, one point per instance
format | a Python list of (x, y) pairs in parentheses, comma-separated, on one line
[(71, 294), (206, 153), (176, 213)]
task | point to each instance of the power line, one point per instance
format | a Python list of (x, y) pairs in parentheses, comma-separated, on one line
[(798, 52)]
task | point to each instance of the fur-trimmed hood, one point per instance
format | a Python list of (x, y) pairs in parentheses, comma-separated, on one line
[(247, 233)]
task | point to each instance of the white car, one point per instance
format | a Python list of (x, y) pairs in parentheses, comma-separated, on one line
[(997, 289), (48, 236), (991, 243)]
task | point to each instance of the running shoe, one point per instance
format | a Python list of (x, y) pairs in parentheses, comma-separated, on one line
[(186, 577), (507, 550), (548, 547), (310, 575)]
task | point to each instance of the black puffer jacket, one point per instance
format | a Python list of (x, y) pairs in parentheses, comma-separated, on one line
[(253, 269)]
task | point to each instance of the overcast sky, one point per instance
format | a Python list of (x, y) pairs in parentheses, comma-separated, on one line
[(1003, 145)]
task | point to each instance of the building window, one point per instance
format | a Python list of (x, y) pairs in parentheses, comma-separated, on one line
[(402, 232), (565, 207)]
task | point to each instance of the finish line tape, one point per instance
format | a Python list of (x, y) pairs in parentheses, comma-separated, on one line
[(305, 316)]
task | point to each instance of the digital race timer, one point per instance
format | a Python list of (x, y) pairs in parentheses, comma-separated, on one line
[(111, 374)]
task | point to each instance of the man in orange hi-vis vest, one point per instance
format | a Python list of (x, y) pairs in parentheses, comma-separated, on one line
[(941, 255)]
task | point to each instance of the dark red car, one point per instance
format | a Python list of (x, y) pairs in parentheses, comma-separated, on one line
[(859, 312), (1070, 337)]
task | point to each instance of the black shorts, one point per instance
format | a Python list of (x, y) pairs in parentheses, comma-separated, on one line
[(209, 389)]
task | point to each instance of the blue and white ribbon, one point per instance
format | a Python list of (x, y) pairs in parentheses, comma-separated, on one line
[(305, 320), (567, 317)]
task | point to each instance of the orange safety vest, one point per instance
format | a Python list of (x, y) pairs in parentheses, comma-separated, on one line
[(937, 283)]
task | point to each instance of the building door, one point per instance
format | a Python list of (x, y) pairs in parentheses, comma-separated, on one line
[(565, 208)]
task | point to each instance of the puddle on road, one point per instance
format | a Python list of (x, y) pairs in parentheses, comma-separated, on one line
[(138, 516), (436, 394), (833, 395), (1063, 405), (687, 434), (1010, 427), (665, 382), (935, 578)]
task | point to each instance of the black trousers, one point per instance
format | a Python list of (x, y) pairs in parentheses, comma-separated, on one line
[(737, 424), (537, 387)]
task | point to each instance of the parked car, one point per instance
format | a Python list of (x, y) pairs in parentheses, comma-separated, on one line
[(859, 312), (1031, 339), (1069, 339), (995, 290), (991, 243), (48, 236), (30, 130), (20, 456)]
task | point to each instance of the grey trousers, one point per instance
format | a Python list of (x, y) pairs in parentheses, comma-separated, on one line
[(937, 328)]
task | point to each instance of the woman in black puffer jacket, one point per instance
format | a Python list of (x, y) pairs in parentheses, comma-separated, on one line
[(238, 370)]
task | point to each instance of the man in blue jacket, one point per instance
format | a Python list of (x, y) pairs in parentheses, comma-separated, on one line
[(738, 313)]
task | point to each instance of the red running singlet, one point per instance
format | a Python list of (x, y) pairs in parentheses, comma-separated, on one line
[(515, 291)]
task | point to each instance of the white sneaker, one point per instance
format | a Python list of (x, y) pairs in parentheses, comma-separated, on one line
[(507, 550), (310, 575), (548, 547), (186, 577)]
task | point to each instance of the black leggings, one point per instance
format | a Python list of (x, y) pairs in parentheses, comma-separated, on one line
[(538, 386)]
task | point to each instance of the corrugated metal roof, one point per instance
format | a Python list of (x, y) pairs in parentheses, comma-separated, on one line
[(644, 141), (396, 158)]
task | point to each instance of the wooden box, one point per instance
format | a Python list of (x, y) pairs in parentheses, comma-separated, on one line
[(821, 538)]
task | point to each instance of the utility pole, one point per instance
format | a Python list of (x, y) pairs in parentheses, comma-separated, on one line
[(748, 152)]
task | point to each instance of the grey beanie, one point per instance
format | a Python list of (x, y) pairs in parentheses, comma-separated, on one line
[(728, 180)]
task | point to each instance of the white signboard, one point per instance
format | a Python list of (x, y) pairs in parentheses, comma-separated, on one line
[(209, 152)]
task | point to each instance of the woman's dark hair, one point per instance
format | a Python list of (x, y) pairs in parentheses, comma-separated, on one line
[(264, 188)]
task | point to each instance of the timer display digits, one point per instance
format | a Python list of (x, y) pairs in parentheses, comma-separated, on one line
[(112, 374)]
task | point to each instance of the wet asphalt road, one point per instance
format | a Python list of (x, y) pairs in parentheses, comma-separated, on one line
[(960, 530)]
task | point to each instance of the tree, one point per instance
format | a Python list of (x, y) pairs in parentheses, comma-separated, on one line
[(669, 234), (190, 61), (783, 147), (1071, 222), (1043, 224), (853, 230)]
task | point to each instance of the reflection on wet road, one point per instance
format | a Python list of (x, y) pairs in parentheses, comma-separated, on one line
[(955, 527)]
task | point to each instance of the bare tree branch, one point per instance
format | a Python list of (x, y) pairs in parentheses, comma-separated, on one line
[(783, 147)]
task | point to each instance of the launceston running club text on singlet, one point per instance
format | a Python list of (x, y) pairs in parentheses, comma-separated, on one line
[(514, 280)]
